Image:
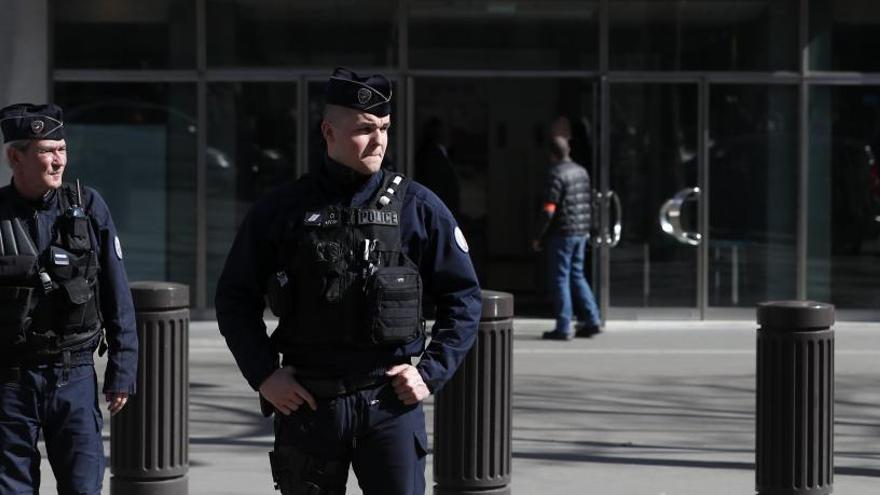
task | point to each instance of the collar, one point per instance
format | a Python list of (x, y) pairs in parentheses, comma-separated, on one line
[(47, 201), (353, 187)]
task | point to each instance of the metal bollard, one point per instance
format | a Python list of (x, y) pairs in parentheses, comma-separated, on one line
[(149, 438), (794, 440), (472, 412)]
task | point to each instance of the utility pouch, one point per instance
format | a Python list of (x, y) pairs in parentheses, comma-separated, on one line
[(394, 302), (15, 303), (278, 294), (75, 232), (297, 473), (82, 312)]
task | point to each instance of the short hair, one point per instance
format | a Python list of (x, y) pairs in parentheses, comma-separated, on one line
[(20, 145), (332, 113)]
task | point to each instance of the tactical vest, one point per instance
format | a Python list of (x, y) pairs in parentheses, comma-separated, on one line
[(344, 280), (49, 302)]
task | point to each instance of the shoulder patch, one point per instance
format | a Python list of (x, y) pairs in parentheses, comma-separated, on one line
[(118, 246), (460, 240)]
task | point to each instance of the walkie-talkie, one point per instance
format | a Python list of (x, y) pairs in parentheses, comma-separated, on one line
[(74, 228), (76, 210)]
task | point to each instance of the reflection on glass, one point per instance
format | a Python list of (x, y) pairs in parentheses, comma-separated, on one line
[(753, 188), (703, 35), (844, 192), (487, 34), (498, 157), (251, 149), (136, 144), (653, 157), (157, 34), (316, 33), (843, 35)]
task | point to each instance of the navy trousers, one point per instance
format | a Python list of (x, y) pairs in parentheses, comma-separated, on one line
[(384, 440), (65, 408)]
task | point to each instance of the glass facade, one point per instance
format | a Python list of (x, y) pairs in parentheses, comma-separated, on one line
[(135, 143), (321, 33), (733, 142), (753, 189), (844, 192), (252, 147), (488, 34), (711, 35), (101, 34), (843, 35)]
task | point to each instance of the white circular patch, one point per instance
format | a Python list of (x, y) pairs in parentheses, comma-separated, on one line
[(118, 246), (459, 239)]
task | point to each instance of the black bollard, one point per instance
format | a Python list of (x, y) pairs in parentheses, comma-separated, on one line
[(472, 412), (149, 438), (794, 440)]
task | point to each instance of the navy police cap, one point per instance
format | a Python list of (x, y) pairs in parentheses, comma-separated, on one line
[(371, 94), (29, 121)]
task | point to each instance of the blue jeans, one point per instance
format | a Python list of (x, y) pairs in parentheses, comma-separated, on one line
[(567, 283)]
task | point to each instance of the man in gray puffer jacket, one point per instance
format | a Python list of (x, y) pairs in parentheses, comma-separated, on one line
[(564, 231)]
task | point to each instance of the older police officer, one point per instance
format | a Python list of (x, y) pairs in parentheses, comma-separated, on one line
[(63, 294), (344, 255)]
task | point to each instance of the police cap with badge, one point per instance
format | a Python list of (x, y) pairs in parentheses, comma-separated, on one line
[(25, 121), (370, 94)]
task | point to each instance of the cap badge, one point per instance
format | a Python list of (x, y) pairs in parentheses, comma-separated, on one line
[(37, 127), (364, 96)]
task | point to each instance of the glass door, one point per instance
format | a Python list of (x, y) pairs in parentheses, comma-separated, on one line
[(651, 200), (481, 144)]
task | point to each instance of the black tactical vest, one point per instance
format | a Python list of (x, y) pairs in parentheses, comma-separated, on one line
[(343, 279), (49, 302)]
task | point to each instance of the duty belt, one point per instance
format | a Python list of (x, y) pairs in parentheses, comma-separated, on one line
[(328, 388)]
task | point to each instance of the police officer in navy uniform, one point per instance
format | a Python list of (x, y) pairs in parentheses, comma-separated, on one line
[(343, 257), (63, 294)]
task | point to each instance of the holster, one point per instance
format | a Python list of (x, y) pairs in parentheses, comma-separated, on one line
[(297, 473)]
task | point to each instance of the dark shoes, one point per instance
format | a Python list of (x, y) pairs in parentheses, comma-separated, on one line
[(586, 330)]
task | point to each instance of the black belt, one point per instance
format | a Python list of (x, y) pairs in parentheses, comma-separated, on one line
[(328, 388)]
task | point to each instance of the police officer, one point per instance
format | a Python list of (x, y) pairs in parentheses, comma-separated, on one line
[(63, 294), (344, 255)]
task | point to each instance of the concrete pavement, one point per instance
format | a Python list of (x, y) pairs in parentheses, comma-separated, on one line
[(645, 408)]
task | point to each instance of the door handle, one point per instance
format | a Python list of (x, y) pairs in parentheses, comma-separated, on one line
[(617, 229), (604, 237), (670, 217), (597, 240)]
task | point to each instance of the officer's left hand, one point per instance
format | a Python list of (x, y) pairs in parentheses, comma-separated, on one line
[(115, 401), (408, 384)]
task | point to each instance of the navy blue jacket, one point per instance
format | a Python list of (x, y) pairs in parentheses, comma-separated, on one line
[(117, 309), (428, 238)]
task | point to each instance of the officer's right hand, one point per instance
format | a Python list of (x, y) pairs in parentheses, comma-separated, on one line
[(285, 393)]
